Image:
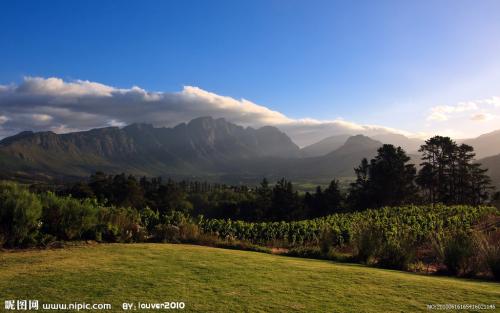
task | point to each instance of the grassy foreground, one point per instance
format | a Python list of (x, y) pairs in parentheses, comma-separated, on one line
[(217, 280)]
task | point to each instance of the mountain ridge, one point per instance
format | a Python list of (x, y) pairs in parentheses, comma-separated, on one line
[(202, 147)]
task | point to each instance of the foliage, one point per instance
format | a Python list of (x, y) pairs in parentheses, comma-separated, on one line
[(459, 251), (119, 225), (449, 174), (68, 218), (387, 237), (422, 221), (398, 251), (368, 241), (387, 180), (490, 251), (20, 211)]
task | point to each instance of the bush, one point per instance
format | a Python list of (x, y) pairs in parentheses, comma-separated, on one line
[(188, 232), (20, 212), (326, 240), (149, 218), (368, 242), (68, 218), (166, 233), (490, 251), (458, 253), (417, 267), (398, 251), (307, 252), (119, 224)]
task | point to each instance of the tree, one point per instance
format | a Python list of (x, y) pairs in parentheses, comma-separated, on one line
[(323, 202), (449, 175), (263, 199), (358, 195), (285, 202), (480, 185), (387, 180), (437, 157), (333, 198)]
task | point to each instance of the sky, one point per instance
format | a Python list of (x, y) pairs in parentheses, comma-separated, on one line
[(312, 68)]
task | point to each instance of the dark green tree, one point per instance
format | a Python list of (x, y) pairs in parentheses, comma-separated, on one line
[(285, 202), (449, 174), (388, 180)]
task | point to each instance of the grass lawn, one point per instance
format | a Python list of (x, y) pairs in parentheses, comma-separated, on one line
[(218, 280)]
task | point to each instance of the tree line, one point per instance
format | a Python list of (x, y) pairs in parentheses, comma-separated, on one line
[(447, 175)]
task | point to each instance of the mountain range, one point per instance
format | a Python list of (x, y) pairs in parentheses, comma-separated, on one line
[(202, 148)]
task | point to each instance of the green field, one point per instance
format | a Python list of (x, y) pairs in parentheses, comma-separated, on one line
[(218, 280)]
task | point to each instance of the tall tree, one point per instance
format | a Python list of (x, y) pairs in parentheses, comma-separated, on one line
[(449, 174), (387, 180), (324, 202), (285, 201)]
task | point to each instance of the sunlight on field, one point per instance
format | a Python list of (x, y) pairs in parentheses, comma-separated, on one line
[(216, 280)]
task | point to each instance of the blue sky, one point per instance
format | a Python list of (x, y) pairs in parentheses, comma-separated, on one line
[(371, 62)]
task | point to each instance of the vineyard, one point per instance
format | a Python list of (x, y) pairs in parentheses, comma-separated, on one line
[(461, 240), (421, 222)]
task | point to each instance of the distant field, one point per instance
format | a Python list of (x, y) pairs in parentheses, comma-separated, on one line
[(217, 280)]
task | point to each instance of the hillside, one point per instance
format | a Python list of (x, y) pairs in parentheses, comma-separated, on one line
[(410, 145), (216, 280), (204, 147), (493, 165), (324, 146), (338, 163), (485, 145)]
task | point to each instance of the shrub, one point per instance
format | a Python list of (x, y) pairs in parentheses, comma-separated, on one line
[(119, 224), (307, 252), (188, 232), (417, 267), (399, 249), (166, 233), (327, 240), (458, 253), (490, 251), (20, 212), (149, 218), (68, 218), (368, 242)]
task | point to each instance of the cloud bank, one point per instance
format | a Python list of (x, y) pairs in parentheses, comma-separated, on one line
[(470, 116), (473, 109), (41, 104)]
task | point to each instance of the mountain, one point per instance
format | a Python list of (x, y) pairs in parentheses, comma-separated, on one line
[(338, 163), (492, 163), (485, 145), (202, 146), (410, 145), (342, 161), (324, 146)]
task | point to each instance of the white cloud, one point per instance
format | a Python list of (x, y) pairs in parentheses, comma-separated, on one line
[(443, 112), (58, 87), (41, 117), (446, 112), (116, 123), (54, 104), (482, 117), (465, 119)]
